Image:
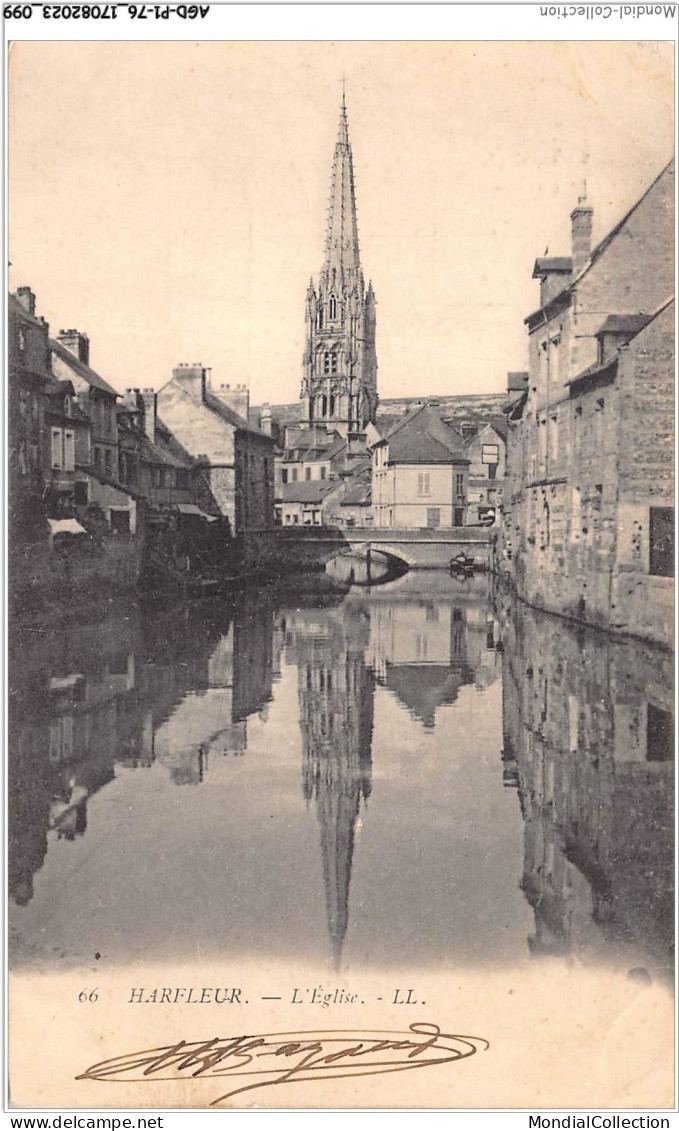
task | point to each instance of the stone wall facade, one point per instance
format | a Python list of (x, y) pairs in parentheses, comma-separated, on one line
[(590, 496)]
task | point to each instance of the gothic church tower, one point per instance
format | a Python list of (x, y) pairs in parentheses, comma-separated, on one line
[(339, 384)]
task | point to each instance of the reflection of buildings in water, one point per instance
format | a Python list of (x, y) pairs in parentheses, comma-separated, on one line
[(588, 742), (87, 698), (336, 692), (253, 649), (29, 795), (354, 569), (277, 646), (424, 651), (212, 721)]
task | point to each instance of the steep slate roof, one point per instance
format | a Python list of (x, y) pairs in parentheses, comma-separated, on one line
[(314, 440), (500, 426), (606, 371), (561, 264), (423, 437), (307, 490), (226, 413), (60, 387), (158, 453), (359, 489), (624, 324), (81, 369), (386, 420), (602, 245)]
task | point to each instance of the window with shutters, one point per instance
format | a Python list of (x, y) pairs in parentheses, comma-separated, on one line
[(69, 450), (423, 483), (57, 452)]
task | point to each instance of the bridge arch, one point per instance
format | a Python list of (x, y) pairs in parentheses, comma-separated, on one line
[(389, 551)]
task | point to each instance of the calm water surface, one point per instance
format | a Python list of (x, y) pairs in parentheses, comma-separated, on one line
[(415, 773)]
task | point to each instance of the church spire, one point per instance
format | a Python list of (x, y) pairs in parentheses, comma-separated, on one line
[(339, 378), (342, 266)]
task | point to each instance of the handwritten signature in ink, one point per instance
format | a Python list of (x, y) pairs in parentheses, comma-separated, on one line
[(272, 1059)]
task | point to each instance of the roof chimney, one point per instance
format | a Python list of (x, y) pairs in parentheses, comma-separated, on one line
[(581, 232), (192, 378), (25, 296), (130, 399), (235, 397), (76, 343), (150, 399)]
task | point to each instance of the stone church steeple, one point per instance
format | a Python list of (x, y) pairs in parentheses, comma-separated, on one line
[(339, 383)]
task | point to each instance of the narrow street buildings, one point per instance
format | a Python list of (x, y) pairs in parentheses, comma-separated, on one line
[(589, 504), (28, 378), (98, 487)]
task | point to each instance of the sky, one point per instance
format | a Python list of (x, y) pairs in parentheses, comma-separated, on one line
[(169, 198)]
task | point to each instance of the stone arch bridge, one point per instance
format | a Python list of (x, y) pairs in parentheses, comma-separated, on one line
[(308, 547)]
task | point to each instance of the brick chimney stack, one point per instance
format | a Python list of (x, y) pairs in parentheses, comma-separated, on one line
[(265, 419), (581, 233), (76, 343), (25, 296), (192, 378), (150, 399)]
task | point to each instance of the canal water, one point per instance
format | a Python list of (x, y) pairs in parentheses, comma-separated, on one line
[(422, 773)]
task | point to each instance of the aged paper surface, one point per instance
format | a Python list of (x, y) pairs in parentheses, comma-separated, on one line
[(222, 936)]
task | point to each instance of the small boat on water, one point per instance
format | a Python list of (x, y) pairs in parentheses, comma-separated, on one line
[(461, 565)]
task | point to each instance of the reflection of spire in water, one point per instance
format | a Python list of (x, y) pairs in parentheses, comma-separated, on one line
[(336, 693)]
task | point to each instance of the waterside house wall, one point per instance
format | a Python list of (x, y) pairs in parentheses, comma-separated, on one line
[(589, 505)]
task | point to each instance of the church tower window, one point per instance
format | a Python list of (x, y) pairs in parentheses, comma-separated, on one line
[(330, 361), (333, 308)]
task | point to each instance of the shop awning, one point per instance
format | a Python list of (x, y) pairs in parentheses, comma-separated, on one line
[(65, 526), (190, 508)]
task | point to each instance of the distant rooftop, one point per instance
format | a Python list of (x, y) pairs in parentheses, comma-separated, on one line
[(556, 264)]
